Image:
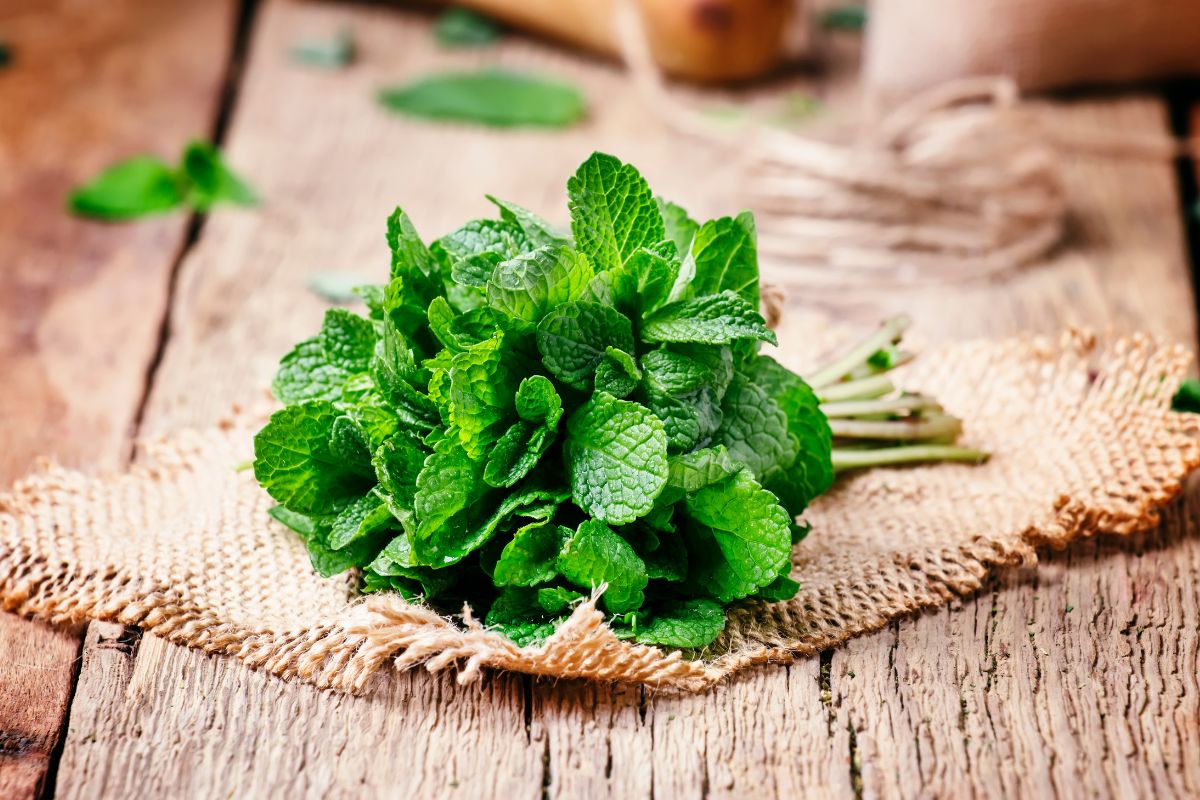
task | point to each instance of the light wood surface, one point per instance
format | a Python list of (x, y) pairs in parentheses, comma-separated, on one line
[(82, 303), (1074, 678)]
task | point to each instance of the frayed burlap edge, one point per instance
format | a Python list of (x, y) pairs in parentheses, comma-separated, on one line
[(1133, 382)]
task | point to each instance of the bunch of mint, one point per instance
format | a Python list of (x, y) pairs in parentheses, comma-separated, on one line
[(526, 416)]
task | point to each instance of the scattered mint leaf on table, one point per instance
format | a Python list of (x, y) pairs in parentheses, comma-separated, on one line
[(1188, 397), (493, 97), (333, 53), (462, 27), (521, 417), (145, 185)]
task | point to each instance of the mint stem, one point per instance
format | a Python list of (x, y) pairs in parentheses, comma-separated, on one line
[(870, 408), (889, 333), (938, 426), (908, 454), (862, 389)]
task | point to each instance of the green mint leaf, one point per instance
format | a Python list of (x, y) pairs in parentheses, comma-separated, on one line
[(558, 599), (494, 97), (616, 458), (618, 373), (1188, 397), (573, 337), (481, 394), (693, 471), (348, 340), (778, 590), (755, 430), (397, 463), (129, 189), (595, 554), (538, 232), (517, 614), (613, 213), (714, 319), (726, 257), (447, 486), (293, 460), (526, 287), (474, 250), (411, 259), (462, 27), (680, 228), (529, 559), (211, 181), (811, 473), (740, 538), (364, 516), (690, 623), (519, 449), (333, 53)]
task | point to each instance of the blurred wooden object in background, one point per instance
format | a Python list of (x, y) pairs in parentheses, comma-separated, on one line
[(702, 40), (1042, 44)]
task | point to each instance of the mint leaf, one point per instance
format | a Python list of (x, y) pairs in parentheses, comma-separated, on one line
[(517, 614), (740, 538), (462, 27), (538, 232), (613, 213), (333, 53), (530, 557), (475, 249), (712, 319), (726, 256), (617, 373), (411, 260), (616, 458), (294, 463), (526, 287), (211, 181), (363, 517), (572, 340), (519, 449), (557, 599), (129, 189), (691, 623), (596, 555), (680, 228), (755, 430), (811, 473), (494, 97), (481, 395)]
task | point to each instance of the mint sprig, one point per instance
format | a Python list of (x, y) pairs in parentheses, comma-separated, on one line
[(523, 418)]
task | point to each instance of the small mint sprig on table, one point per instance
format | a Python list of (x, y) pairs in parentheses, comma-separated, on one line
[(524, 416)]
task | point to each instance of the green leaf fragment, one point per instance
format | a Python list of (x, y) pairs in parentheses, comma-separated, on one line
[(493, 97), (462, 27), (713, 319), (574, 338), (613, 213), (596, 555), (616, 458)]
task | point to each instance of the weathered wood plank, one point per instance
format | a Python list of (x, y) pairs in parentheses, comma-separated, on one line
[(89, 83), (1053, 683), (210, 727)]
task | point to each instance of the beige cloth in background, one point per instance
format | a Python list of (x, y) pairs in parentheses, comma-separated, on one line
[(1042, 44), (1082, 441)]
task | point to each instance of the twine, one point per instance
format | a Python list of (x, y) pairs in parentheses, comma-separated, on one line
[(961, 182)]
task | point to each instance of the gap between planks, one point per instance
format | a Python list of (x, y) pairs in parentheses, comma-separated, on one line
[(210, 727)]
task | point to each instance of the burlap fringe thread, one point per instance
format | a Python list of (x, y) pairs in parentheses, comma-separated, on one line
[(1082, 437)]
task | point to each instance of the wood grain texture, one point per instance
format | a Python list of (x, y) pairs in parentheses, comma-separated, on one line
[(958, 702), (82, 303)]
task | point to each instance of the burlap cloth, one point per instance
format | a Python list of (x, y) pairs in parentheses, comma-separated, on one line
[(1082, 441)]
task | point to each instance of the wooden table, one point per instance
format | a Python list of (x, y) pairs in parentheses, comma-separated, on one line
[(1077, 677)]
